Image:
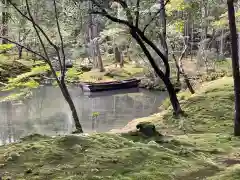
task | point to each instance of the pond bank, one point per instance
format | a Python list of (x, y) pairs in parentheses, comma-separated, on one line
[(198, 146)]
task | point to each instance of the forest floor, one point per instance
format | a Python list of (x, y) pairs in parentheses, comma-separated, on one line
[(197, 146)]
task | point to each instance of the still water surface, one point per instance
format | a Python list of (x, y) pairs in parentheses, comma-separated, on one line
[(48, 113)]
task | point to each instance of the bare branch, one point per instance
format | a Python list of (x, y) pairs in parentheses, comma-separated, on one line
[(29, 19), (24, 47), (36, 30), (47, 59), (25, 36), (112, 18), (155, 16), (37, 26)]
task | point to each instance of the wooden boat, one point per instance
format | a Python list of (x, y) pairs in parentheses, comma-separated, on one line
[(111, 93), (107, 86)]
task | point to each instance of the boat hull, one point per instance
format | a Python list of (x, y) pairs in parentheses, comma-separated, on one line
[(108, 86)]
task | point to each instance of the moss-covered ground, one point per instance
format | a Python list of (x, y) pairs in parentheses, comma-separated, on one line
[(197, 146)]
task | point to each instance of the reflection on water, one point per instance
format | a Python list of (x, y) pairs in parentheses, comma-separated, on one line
[(48, 113)]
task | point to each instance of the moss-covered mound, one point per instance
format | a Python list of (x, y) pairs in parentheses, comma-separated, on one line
[(194, 147), (10, 67)]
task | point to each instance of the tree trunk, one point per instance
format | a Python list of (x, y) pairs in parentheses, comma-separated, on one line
[(176, 63), (173, 96), (121, 60), (20, 50), (171, 91), (4, 21), (155, 48), (91, 36), (205, 17), (235, 65), (117, 54), (99, 57), (69, 100), (163, 24), (181, 70)]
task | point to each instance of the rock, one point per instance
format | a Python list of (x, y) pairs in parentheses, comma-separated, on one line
[(148, 129), (85, 68), (28, 171)]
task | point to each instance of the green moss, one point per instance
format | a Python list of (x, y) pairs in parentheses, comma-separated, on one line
[(99, 156), (195, 146), (231, 173), (112, 73)]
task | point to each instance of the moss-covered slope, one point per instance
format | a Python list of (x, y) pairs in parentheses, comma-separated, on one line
[(197, 146)]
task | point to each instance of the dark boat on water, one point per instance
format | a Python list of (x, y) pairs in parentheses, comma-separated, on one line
[(107, 86), (112, 92)]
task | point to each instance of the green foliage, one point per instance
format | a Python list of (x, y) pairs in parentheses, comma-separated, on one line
[(38, 70), (6, 47), (26, 80), (73, 74)]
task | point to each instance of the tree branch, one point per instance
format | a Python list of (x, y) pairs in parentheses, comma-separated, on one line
[(24, 47), (36, 30), (112, 18), (47, 59), (37, 26), (25, 35), (154, 17), (137, 13), (139, 32)]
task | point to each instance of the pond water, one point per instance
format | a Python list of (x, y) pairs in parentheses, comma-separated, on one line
[(48, 113)]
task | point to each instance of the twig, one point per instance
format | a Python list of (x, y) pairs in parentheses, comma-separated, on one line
[(37, 26), (36, 30), (156, 14), (24, 47)]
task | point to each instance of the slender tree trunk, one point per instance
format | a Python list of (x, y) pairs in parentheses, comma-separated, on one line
[(4, 20), (192, 39), (171, 91), (205, 18), (163, 23), (69, 100), (235, 65), (181, 68), (100, 62), (176, 64), (91, 36), (20, 50), (117, 54), (121, 60)]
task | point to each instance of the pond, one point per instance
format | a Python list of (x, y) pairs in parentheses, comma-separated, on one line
[(47, 112)]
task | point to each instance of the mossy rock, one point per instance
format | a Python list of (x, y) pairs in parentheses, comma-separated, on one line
[(12, 70), (147, 129)]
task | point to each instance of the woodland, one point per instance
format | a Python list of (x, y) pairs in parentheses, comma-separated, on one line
[(186, 48)]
